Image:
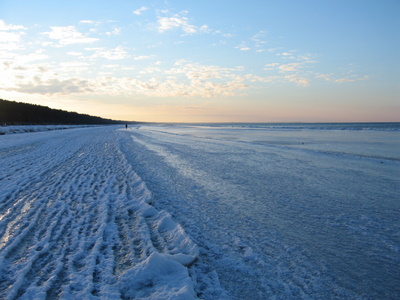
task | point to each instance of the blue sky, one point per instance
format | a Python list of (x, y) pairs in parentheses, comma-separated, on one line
[(202, 61)]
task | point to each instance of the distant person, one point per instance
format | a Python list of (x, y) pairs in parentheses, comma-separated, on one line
[(126, 126)]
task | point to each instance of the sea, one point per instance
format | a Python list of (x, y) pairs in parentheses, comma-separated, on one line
[(282, 210)]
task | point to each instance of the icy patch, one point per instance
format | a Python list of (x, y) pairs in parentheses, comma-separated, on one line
[(158, 277), (76, 222), (12, 129), (281, 214), (180, 247)]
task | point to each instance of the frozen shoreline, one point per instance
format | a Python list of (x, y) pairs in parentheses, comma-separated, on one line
[(16, 129), (76, 221), (183, 212), (290, 214)]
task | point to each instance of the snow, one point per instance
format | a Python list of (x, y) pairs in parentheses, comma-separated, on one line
[(158, 277), (211, 212), (285, 213), (76, 223), (12, 129)]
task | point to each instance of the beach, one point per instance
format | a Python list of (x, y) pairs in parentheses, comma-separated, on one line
[(208, 211)]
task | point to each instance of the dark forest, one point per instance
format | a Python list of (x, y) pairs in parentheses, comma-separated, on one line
[(15, 113)]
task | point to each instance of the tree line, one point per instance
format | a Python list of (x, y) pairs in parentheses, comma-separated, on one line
[(12, 112)]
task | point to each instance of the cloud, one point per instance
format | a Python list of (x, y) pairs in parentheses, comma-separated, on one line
[(115, 31), (8, 27), (283, 68), (259, 36), (292, 67), (167, 23), (198, 71), (300, 81), (150, 70), (144, 57), (296, 72), (243, 47), (54, 86), (74, 53), (334, 78), (178, 21), (185, 79), (34, 56), (140, 10), (255, 78), (205, 28), (74, 66), (117, 53), (91, 22), (10, 38), (255, 42), (69, 35), (271, 66)]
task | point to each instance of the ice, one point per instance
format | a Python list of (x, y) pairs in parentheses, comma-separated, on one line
[(236, 211), (12, 129), (158, 277), (77, 223), (289, 212)]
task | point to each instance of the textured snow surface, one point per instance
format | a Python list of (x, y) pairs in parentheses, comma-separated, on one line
[(200, 212), (12, 129), (289, 212), (76, 223)]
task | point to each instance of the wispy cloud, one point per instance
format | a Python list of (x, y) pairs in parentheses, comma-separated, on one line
[(185, 79), (256, 42), (344, 78), (69, 35), (292, 67), (32, 57), (300, 81), (271, 66), (117, 53), (144, 57), (295, 68), (115, 31), (74, 66), (178, 21), (302, 70), (115, 69), (74, 53), (167, 23), (88, 22), (10, 38), (199, 71), (140, 10), (7, 27), (55, 86)]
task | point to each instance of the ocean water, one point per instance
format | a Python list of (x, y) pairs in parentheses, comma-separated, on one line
[(281, 211)]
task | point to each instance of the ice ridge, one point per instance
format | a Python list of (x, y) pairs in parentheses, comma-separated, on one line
[(76, 222)]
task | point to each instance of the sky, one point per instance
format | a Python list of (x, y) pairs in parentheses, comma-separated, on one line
[(205, 61)]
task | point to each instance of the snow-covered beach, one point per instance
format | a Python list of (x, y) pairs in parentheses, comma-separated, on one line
[(13, 129), (234, 211)]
